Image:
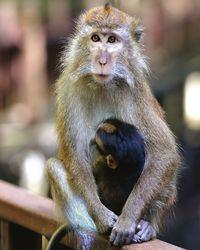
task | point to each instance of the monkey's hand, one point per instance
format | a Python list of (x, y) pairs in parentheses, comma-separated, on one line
[(105, 219), (125, 232)]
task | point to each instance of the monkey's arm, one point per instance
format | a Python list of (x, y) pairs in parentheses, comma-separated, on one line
[(77, 181), (67, 187), (76, 165), (160, 168)]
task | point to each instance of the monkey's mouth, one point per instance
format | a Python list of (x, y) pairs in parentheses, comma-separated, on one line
[(102, 77)]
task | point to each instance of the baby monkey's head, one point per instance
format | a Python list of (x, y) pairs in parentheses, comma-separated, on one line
[(120, 144)]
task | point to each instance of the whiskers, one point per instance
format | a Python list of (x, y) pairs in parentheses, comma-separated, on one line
[(123, 74)]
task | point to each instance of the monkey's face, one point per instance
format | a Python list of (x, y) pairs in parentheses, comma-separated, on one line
[(105, 49)]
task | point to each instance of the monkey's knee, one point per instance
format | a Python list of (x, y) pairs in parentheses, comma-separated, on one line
[(59, 185), (56, 170), (53, 163)]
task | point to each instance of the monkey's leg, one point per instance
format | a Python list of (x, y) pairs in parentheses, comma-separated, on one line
[(71, 205), (155, 214), (162, 207)]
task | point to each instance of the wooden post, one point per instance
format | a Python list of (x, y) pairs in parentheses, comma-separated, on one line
[(15, 237), (5, 240)]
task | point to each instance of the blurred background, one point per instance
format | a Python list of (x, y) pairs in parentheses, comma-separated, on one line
[(32, 36)]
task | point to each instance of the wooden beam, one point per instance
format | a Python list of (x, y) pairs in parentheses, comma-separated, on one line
[(28, 210), (38, 214)]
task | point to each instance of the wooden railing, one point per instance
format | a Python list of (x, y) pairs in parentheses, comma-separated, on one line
[(26, 217)]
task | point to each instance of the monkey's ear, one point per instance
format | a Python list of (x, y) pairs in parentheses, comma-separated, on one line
[(139, 33), (137, 30), (111, 162)]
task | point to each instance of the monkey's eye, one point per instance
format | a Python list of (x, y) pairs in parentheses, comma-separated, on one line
[(95, 38), (112, 39)]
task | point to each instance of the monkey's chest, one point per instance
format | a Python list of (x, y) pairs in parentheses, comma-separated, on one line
[(97, 107), (100, 113)]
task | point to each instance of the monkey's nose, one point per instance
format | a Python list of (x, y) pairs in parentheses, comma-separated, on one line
[(102, 62), (103, 58)]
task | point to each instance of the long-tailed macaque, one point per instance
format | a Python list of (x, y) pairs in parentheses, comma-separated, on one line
[(105, 75)]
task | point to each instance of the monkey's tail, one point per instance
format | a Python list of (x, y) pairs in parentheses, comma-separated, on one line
[(79, 239), (57, 236)]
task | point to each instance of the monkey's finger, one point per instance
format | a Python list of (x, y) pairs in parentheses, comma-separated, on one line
[(142, 223), (119, 239), (128, 239), (116, 237), (142, 226), (148, 234), (136, 239), (112, 235)]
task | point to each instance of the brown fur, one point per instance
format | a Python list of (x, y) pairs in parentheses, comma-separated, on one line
[(110, 17), (99, 142), (108, 128), (107, 8), (83, 103)]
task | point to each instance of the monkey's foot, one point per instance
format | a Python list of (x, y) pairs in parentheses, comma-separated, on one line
[(105, 220), (122, 232), (144, 232)]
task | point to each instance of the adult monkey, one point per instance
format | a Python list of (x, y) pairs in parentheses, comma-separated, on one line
[(104, 75)]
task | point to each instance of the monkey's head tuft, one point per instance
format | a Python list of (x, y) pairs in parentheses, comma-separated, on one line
[(107, 7)]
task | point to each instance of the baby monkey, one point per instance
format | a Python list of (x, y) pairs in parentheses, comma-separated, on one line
[(118, 157)]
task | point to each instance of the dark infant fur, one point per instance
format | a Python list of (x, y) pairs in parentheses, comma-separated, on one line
[(126, 146)]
